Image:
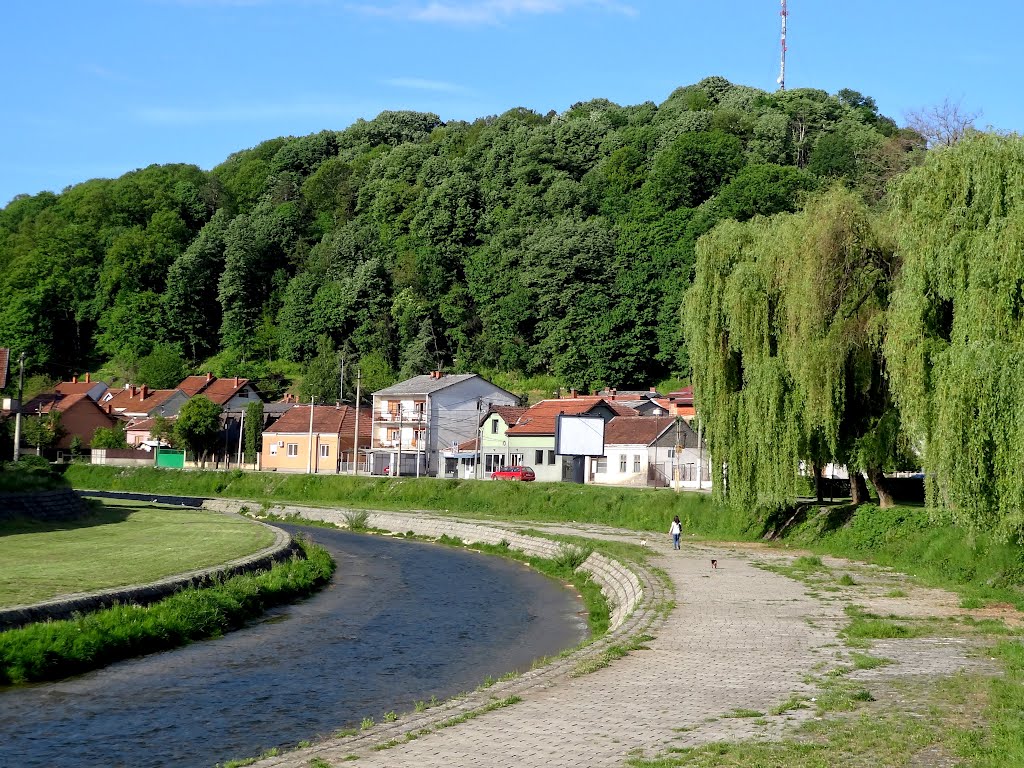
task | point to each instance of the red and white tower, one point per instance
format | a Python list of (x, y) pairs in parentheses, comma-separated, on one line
[(784, 13)]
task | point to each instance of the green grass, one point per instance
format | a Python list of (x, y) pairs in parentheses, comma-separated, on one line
[(27, 480), (57, 649), (117, 546), (640, 509)]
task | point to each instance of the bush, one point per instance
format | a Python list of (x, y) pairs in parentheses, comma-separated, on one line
[(31, 463)]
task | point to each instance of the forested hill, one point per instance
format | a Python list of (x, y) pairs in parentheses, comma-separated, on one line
[(556, 244)]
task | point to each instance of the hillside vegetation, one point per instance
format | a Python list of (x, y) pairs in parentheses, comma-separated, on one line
[(555, 245)]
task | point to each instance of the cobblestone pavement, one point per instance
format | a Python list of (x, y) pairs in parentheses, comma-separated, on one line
[(739, 638)]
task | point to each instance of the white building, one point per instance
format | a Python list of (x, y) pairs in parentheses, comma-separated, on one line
[(415, 420)]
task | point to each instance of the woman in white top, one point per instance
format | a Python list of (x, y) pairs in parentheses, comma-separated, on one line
[(675, 529)]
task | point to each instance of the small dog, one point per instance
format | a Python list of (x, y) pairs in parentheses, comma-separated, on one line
[(714, 564)]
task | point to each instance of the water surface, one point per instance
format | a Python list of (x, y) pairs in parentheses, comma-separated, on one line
[(401, 621)]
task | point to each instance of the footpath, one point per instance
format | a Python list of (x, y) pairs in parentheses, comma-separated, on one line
[(738, 638)]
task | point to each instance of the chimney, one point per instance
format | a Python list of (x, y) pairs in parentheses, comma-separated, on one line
[(88, 378), (236, 381), (572, 393), (209, 377), (143, 391), (613, 393), (131, 390), (654, 391), (74, 379)]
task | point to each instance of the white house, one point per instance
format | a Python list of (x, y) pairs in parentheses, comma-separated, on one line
[(416, 420), (651, 451)]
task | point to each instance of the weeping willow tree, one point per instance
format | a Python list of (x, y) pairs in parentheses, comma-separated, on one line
[(955, 344), (785, 322)]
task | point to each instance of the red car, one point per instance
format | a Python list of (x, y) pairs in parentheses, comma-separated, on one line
[(514, 473)]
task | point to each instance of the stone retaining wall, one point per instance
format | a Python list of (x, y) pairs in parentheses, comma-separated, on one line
[(67, 606), (620, 586), (59, 504)]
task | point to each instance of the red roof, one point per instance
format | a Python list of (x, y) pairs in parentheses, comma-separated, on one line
[(139, 400), (5, 355), (52, 401), (508, 413), (626, 430), (222, 390), (682, 396), (541, 418), (193, 385), (327, 419)]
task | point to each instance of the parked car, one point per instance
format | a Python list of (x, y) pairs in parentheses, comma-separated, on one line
[(514, 473)]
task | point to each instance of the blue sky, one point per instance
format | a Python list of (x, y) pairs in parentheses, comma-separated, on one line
[(98, 89)]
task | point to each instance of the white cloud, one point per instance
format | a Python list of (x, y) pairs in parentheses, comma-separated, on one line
[(420, 84), (483, 11)]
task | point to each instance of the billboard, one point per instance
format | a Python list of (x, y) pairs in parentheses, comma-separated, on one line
[(579, 435)]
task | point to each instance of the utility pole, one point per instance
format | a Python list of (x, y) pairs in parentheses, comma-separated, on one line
[(341, 379), (17, 414), (397, 471), (241, 432), (677, 463), (309, 462), (355, 437), (700, 454)]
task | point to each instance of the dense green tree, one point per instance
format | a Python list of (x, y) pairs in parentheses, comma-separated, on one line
[(785, 322), (956, 330), (253, 431), (162, 368), (110, 437), (198, 427)]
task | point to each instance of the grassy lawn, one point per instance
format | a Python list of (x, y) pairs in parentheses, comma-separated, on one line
[(119, 545)]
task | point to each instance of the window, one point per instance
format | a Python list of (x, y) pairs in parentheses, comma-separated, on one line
[(551, 457), (494, 426), (517, 459), (293, 449), (325, 451), (493, 462), (243, 393), (273, 449), (393, 435), (622, 462), (602, 465), (636, 463), (538, 456)]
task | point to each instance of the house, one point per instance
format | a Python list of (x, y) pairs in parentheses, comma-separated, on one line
[(415, 420), (231, 394), (94, 390), (681, 403), (645, 402), (133, 402), (138, 431), (326, 444), (651, 451), (80, 416), (465, 460), (531, 440)]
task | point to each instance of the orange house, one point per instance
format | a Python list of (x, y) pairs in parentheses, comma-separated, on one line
[(287, 444)]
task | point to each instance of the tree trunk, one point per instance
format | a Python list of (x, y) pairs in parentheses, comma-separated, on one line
[(858, 489), (819, 486), (878, 480)]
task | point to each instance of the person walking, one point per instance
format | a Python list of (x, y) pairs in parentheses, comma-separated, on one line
[(676, 530)]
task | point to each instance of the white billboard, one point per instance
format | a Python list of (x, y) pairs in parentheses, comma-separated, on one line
[(579, 435)]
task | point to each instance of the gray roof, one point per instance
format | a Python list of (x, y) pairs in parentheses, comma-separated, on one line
[(425, 384)]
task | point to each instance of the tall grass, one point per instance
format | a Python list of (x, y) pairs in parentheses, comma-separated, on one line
[(56, 649)]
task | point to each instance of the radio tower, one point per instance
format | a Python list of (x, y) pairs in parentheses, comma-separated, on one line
[(782, 65)]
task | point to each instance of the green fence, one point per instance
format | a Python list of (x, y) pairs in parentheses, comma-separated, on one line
[(168, 457)]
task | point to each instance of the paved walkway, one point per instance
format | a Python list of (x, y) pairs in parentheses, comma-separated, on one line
[(739, 638)]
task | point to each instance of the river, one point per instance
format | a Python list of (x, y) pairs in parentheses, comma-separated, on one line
[(400, 622)]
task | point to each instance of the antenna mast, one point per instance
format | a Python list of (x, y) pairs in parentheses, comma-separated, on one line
[(782, 66)]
